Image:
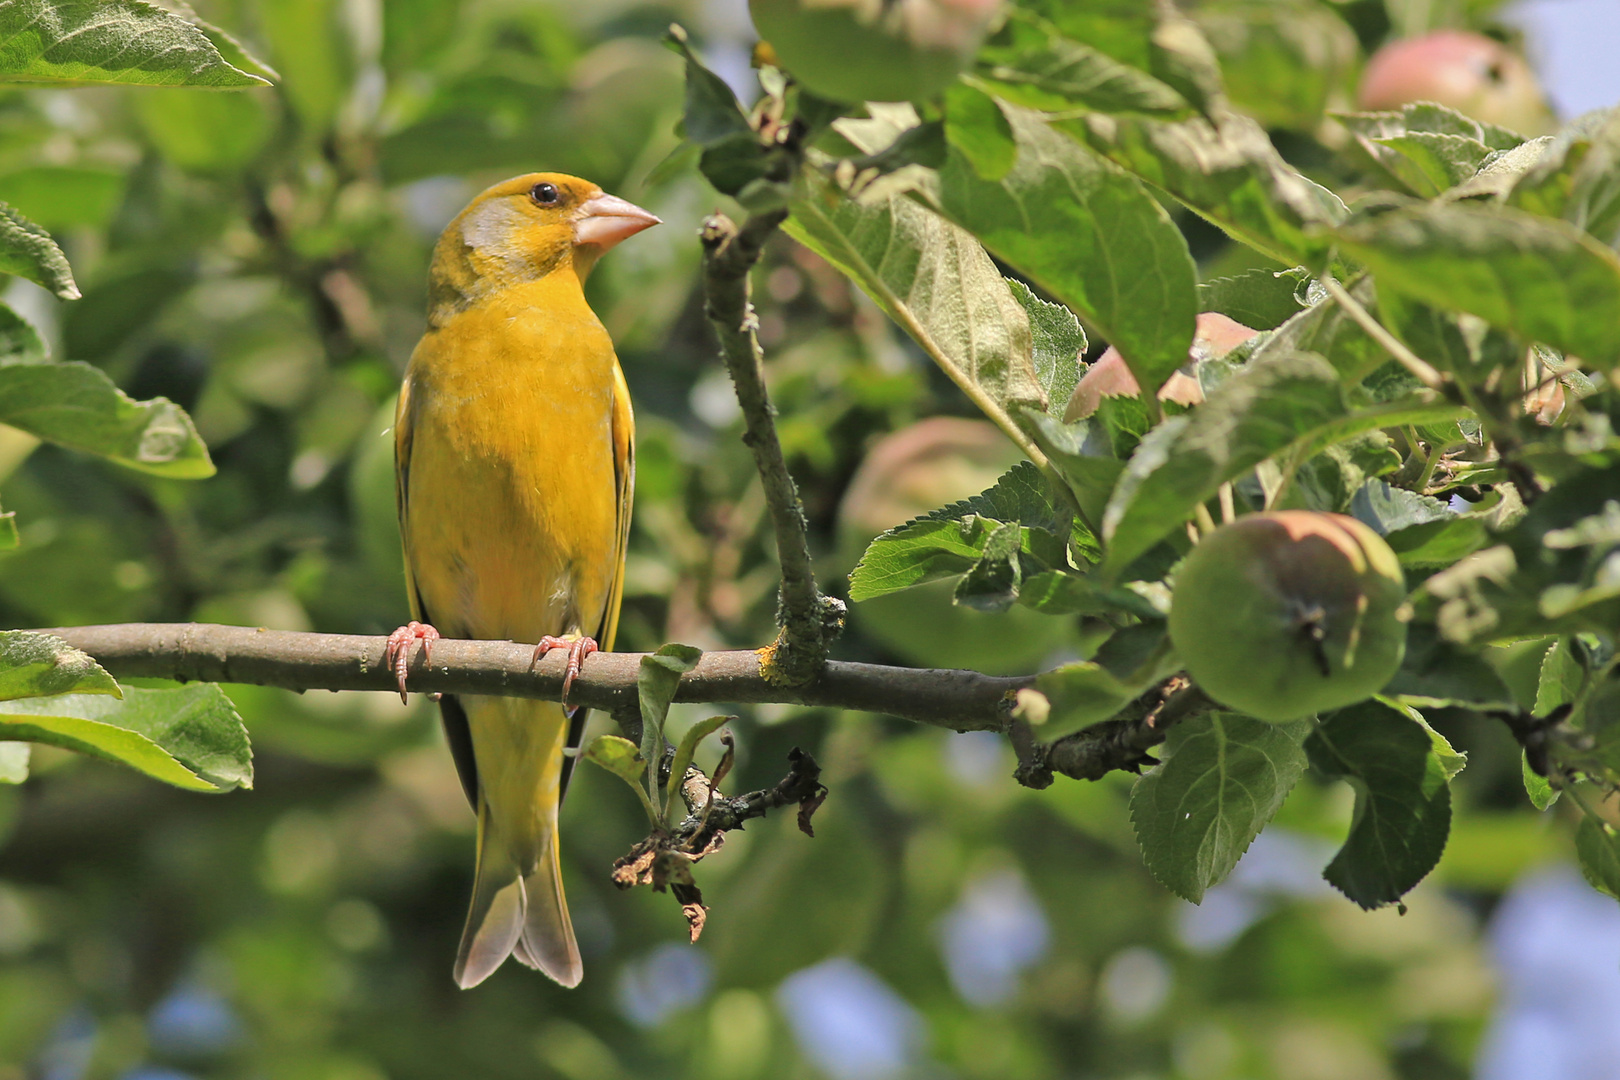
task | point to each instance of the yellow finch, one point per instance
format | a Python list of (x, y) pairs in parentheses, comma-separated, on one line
[(514, 460)]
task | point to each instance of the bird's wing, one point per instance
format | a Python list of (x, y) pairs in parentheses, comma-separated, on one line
[(624, 476), (457, 730)]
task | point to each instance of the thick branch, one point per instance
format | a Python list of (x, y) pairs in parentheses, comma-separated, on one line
[(809, 620), (958, 700)]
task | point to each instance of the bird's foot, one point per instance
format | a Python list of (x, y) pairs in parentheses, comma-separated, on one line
[(398, 654), (578, 649)]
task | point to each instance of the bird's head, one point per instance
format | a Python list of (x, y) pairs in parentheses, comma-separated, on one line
[(525, 228)]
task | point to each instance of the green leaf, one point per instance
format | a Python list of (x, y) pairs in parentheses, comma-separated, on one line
[(955, 539), (1577, 178), (1221, 779), (36, 665), (230, 49), (1057, 344), (1082, 456), (1325, 329), (1064, 592), (1227, 171), (656, 682), (1387, 509), (937, 283), (1284, 63), (1086, 692), (1562, 678), (1597, 848), (620, 757), (1436, 672), (82, 42), (1262, 299), (19, 341), (683, 759), (76, 405), (991, 584), (13, 762), (28, 250), (1429, 163), (712, 118), (190, 736), (917, 553), (1537, 277), (1263, 409), (1403, 803), (1031, 63), (976, 127), (1088, 235), (1540, 790)]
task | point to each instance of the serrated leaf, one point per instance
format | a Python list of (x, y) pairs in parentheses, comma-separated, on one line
[(77, 406), (1386, 509), (1262, 299), (1221, 778), (1284, 63), (28, 251), (1082, 456), (1537, 277), (1227, 171), (683, 759), (1577, 177), (656, 681), (1540, 790), (934, 280), (1597, 848), (83, 42), (991, 584), (1090, 236), (1057, 343), (37, 665), (1434, 671), (189, 736), (1261, 410), (1064, 592), (1403, 803), (917, 553), (230, 49), (1035, 65), (1429, 163)]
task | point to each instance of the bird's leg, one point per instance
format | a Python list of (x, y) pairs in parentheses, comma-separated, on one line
[(578, 646), (399, 649)]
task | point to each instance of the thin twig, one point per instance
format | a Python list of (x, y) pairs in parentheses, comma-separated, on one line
[(1121, 743), (1425, 372), (954, 699), (809, 620)]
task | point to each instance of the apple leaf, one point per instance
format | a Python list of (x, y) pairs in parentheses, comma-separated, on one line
[(1090, 236), (1220, 780), (1261, 410), (1403, 802), (1058, 342), (37, 665), (82, 42), (1597, 847), (1033, 64), (189, 736), (1262, 299), (28, 251), (1538, 277), (1436, 672), (1227, 171), (1540, 790), (77, 405)]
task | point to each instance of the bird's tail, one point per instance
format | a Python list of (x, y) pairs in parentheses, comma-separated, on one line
[(514, 913)]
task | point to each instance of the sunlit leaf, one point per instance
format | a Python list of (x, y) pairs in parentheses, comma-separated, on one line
[(79, 42), (35, 665)]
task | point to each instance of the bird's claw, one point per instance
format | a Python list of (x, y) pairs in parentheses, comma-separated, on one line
[(398, 654), (578, 649)]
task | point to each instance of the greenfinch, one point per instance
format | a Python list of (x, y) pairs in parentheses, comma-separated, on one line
[(515, 464)]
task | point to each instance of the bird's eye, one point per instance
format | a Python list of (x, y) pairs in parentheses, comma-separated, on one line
[(545, 194)]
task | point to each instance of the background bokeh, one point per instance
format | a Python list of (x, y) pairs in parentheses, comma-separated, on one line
[(259, 257)]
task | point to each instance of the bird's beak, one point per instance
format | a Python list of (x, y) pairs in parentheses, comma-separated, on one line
[(604, 220)]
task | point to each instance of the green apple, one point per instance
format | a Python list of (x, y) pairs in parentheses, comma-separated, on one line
[(874, 50), (1281, 615)]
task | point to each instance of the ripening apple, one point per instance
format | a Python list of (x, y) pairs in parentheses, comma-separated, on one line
[(1474, 74), (874, 50), (1281, 615)]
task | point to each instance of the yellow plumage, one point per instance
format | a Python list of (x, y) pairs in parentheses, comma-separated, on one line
[(515, 463)]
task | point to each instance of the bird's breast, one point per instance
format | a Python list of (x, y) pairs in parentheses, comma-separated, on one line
[(511, 485)]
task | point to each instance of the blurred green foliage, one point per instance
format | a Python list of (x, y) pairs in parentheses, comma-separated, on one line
[(259, 259)]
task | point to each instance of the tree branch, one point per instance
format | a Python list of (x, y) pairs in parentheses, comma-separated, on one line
[(954, 699), (809, 621), (1120, 743)]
